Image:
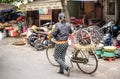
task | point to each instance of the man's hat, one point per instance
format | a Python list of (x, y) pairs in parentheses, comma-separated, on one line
[(61, 16)]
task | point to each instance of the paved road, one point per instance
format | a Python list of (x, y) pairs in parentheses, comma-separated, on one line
[(24, 62)]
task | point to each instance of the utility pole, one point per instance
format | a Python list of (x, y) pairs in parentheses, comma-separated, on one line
[(65, 9)]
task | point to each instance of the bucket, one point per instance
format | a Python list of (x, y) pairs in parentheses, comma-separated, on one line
[(13, 33), (24, 29)]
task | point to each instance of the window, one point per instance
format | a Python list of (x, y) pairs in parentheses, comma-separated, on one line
[(82, 5), (111, 7)]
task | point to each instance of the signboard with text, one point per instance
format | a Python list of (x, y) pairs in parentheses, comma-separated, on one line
[(45, 14), (45, 17)]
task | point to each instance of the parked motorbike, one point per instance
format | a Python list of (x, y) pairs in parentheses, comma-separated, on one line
[(117, 45), (41, 37), (41, 42), (32, 38), (107, 37), (118, 40), (34, 30)]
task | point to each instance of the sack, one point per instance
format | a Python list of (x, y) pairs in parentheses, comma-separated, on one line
[(69, 42)]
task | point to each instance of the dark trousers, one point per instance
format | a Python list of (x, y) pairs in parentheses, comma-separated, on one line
[(59, 55)]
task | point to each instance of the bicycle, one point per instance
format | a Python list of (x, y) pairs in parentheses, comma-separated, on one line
[(98, 34), (84, 56)]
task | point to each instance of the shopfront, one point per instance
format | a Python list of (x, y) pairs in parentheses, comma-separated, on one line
[(85, 8), (40, 12)]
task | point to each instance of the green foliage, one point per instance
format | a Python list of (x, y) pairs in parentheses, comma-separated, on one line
[(7, 1)]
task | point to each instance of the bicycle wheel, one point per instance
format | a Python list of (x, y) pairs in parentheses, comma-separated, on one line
[(50, 57), (89, 62), (95, 36), (83, 36)]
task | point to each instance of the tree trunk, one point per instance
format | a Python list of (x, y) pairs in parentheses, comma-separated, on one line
[(65, 9)]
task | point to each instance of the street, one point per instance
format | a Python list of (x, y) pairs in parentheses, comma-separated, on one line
[(24, 62)]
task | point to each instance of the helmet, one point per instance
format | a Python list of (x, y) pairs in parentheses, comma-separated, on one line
[(61, 16), (35, 28)]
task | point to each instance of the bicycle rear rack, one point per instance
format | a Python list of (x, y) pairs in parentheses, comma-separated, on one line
[(79, 60)]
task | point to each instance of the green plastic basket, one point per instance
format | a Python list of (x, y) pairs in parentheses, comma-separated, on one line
[(98, 52), (109, 54)]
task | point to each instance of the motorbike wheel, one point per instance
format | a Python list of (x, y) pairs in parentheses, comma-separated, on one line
[(32, 38), (38, 45)]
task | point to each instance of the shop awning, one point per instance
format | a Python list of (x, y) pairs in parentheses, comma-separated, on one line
[(4, 7), (49, 4)]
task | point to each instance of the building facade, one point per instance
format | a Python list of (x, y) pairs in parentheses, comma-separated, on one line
[(99, 9), (112, 9), (92, 9)]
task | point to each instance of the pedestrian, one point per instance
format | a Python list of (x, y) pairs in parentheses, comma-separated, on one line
[(61, 33), (116, 28), (20, 27)]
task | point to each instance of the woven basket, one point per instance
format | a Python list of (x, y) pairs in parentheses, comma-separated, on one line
[(19, 42), (109, 48)]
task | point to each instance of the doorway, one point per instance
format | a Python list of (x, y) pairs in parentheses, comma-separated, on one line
[(98, 11)]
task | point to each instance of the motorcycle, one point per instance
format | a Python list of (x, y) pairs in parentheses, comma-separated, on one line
[(107, 37), (41, 42), (31, 38)]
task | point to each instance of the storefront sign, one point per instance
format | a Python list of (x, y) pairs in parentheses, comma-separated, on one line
[(45, 17), (45, 14), (43, 11)]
